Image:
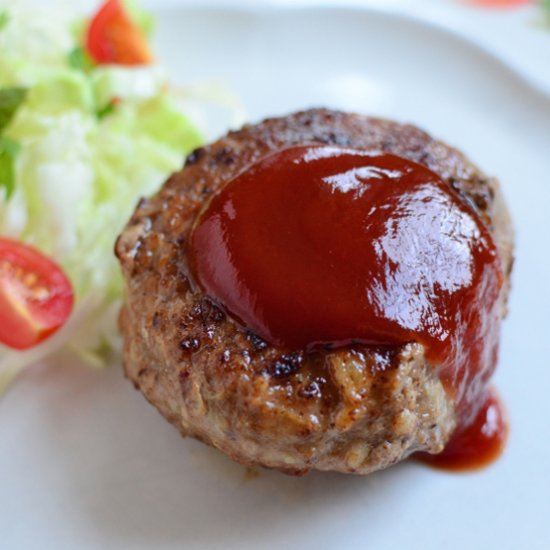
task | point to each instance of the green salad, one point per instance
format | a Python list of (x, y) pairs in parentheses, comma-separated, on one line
[(86, 128)]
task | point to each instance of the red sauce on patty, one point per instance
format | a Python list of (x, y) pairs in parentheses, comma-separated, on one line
[(326, 246)]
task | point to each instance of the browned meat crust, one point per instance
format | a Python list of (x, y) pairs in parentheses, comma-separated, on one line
[(350, 410)]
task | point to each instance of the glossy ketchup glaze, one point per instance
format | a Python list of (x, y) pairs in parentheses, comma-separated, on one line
[(325, 246)]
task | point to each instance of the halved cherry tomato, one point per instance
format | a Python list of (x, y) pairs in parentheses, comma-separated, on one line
[(36, 297), (499, 3), (114, 38)]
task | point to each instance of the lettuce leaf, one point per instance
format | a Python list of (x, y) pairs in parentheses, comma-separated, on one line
[(8, 153), (10, 101)]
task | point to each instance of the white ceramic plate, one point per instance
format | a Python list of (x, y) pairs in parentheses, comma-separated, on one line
[(85, 462)]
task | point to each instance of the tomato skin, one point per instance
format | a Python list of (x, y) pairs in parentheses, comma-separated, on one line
[(36, 297), (113, 37), (499, 3)]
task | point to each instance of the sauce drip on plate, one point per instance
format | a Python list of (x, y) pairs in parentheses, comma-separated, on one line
[(476, 445), (326, 246)]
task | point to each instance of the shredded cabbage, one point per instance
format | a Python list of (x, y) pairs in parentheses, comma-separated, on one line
[(91, 141)]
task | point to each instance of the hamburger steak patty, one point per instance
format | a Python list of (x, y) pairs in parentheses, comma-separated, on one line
[(355, 409)]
